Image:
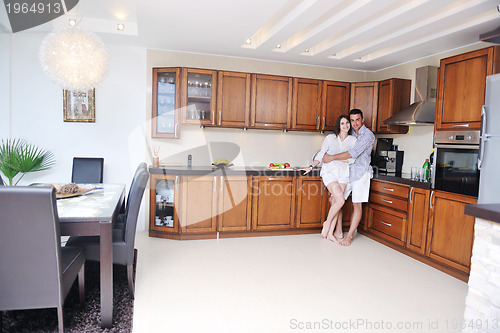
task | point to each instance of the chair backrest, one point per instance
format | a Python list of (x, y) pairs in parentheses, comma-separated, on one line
[(1, 181), (87, 170), (140, 167), (30, 248), (136, 193)]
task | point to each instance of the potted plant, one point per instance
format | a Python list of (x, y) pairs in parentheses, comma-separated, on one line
[(18, 157)]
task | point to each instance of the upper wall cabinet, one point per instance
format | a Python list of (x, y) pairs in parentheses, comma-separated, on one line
[(393, 96), (233, 100), (165, 114), (306, 104), (462, 83), (271, 101), (198, 93), (364, 96), (335, 102)]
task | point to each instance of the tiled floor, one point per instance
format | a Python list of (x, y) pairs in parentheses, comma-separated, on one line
[(289, 284)]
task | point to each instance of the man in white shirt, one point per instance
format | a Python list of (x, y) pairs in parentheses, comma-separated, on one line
[(360, 172)]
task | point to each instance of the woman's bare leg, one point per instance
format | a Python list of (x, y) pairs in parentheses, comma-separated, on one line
[(337, 190)]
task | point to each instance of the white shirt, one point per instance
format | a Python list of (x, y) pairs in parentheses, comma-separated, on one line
[(336, 170)]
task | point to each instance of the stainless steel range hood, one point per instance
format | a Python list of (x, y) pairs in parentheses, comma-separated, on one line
[(423, 110)]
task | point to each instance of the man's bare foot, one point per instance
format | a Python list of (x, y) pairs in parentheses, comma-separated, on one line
[(339, 236), (347, 241), (326, 228), (333, 238)]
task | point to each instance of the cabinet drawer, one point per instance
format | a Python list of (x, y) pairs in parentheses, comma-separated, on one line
[(388, 201), (390, 188), (387, 224)]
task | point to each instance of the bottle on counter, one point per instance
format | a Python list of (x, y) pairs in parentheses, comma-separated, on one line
[(427, 170)]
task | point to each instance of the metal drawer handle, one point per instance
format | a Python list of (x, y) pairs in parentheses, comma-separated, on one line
[(387, 224), (389, 189), (220, 117), (274, 178), (462, 125), (213, 117), (411, 191), (319, 123), (270, 124), (215, 183), (388, 201)]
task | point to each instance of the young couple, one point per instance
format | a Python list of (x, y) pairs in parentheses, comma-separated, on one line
[(346, 157)]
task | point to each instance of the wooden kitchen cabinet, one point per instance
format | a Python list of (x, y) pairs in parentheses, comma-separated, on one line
[(164, 203), (198, 94), (271, 102), (306, 109), (233, 100), (462, 83), (273, 204), (199, 204), (450, 233), (393, 96), (364, 96), (312, 202), (334, 102), (418, 216), (165, 111), (234, 208)]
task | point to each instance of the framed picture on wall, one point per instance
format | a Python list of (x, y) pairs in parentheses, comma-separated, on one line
[(79, 106)]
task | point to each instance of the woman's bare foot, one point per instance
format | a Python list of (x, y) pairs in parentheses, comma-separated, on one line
[(347, 241), (339, 236), (326, 228), (333, 238)]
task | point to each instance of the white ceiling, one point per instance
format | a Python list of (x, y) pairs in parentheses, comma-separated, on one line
[(354, 34)]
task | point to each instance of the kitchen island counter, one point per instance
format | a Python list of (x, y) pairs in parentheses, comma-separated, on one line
[(232, 170), (490, 212)]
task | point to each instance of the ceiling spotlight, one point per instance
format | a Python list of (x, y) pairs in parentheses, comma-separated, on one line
[(248, 41), (278, 46), (307, 50), (120, 26), (72, 22)]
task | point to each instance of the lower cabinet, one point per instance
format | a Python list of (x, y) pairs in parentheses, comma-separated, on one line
[(199, 204), (234, 209), (273, 206), (164, 205), (418, 217), (450, 232), (387, 223), (312, 202)]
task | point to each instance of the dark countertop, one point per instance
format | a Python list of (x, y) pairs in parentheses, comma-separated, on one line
[(490, 212), (264, 171)]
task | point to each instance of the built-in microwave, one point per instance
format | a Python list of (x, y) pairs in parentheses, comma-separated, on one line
[(455, 162)]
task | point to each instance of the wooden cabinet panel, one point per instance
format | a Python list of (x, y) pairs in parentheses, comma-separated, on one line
[(462, 83), (271, 101), (199, 204), (364, 96), (450, 231), (234, 203), (166, 102), (388, 201), (390, 188), (393, 96), (388, 224), (273, 204), (335, 102), (306, 104), (418, 214), (312, 206), (233, 100)]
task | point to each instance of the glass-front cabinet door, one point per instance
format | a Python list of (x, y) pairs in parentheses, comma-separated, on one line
[(165, 116), (163, 200), (198, 96)]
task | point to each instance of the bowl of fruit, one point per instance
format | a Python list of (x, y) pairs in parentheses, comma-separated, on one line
[(280, 166)]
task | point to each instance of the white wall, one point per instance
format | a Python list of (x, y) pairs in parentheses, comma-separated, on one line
[(36, 114), (4, 85)]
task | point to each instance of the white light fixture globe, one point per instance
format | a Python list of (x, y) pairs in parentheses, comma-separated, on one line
[(74, 59)]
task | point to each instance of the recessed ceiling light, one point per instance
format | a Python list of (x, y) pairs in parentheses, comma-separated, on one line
[(307, 50), (248, 41), (72, 22), (120, 26), (278, 46)]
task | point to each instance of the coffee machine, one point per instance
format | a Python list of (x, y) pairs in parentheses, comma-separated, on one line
[(387, 156)]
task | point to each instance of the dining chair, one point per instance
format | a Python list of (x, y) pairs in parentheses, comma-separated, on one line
[(120, 223), (123, 239), (36, 272), (87, 170)]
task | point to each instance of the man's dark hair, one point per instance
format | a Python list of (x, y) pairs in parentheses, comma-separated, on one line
[(356, 111), (337, 124)]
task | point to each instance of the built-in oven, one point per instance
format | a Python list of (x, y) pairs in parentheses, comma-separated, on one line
[(455, 162)]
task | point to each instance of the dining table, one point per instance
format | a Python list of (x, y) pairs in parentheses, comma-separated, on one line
[(93, 214)]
